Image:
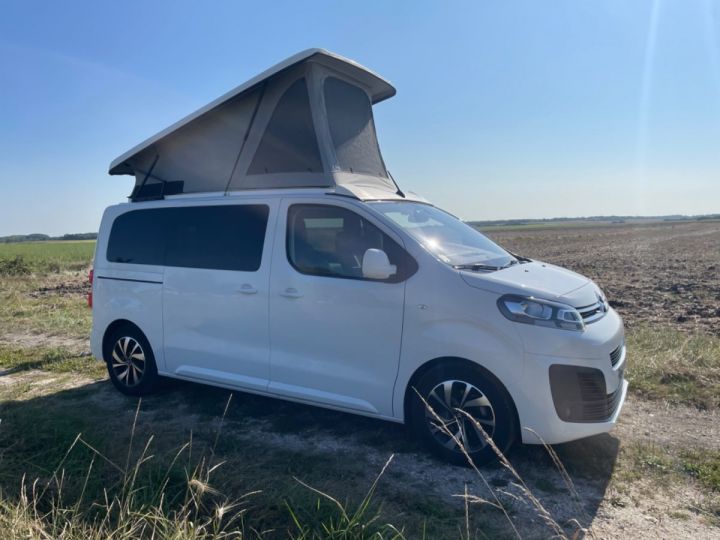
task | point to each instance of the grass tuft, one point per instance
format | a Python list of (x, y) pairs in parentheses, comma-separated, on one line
[(14, 267), (704, 465), (331, 519)]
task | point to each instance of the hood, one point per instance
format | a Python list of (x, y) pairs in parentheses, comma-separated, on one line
[(538, 279)]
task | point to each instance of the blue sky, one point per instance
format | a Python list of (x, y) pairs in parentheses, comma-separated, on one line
[(504, 109)]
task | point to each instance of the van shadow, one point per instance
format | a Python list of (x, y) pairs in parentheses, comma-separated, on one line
[(261, 437)]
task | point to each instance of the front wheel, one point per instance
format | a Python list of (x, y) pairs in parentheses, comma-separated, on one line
[(461, 408), (130, 361)]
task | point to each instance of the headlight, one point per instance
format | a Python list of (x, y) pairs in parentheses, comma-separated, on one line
[(529, 310)]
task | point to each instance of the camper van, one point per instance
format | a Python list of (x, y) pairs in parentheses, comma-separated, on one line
[(265, 248)]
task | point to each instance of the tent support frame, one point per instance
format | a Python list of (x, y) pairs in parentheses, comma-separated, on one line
[(136, 194), (247, 134)]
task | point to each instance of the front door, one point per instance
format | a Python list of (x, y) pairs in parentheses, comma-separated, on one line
[(215, 293), (335, 336)]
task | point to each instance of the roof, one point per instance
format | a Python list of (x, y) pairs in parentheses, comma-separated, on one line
[(379, 89)]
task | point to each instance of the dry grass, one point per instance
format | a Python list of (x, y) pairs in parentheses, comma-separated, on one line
[(679, 367), (130, 509)]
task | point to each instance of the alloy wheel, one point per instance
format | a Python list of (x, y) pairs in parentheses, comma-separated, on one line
[(452, 402), (128, 361)]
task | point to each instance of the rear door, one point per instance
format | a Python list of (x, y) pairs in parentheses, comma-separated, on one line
[(335, 335), (215, 295)]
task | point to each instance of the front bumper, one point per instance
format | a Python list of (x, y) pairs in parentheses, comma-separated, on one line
[(571, 397)]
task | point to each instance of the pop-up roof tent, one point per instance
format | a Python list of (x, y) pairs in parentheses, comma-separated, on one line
[(306, 122)]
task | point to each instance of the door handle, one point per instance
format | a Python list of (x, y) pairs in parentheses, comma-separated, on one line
[(247, 289), (291, 292)]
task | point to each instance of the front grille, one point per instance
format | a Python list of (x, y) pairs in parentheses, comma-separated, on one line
[(616, 355), (579, 394), (593, 312)]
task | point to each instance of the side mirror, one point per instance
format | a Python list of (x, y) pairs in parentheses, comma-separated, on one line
[(376, 265)]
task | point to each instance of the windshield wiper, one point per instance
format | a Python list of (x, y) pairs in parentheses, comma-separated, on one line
[(477, 266), (481, 266), (520, 258)]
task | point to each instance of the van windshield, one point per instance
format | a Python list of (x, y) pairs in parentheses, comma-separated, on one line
[(449, 239)]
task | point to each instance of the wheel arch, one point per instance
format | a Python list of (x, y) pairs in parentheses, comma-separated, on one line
[(118, 323), (455, 361)]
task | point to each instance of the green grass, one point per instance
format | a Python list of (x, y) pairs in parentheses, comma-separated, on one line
[(42, 420), (42, 288), (52, 360), (670, 365), (89, 488), (704, 465), (45, 257), (43, 411), (40, 305), (664, 468)]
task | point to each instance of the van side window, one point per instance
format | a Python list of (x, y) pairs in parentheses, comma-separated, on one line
[(216, 237), (211, 237), (138, 237), (331, 241)]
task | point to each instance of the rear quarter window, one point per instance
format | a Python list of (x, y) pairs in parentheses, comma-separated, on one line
[(137, 237)]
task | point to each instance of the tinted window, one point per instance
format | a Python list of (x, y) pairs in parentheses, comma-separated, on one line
[(137, 237), (352, 128), (331, 241), (217, 237), (212, 237), (289, 143)]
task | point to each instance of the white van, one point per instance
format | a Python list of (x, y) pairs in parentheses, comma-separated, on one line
[(351, 294)]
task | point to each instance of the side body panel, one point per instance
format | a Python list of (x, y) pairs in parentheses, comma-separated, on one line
[(334, 341), (216, 321), (444, 318), (131, 292)]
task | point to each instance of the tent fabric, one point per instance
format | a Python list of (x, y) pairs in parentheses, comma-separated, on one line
[(307, 122), (352, 129), (289, 143)]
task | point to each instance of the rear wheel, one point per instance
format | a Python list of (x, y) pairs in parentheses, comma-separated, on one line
[(463, 407), (130, 361)]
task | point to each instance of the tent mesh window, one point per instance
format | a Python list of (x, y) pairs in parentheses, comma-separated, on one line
[(289, 143), (352, 128)]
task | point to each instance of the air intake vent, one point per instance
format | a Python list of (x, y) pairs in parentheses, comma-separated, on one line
[(617, 354), (579, 394)]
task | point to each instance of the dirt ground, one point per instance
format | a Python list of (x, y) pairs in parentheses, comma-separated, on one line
[(664, 272), (599, 501)]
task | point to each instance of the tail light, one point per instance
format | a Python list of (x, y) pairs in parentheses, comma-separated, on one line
[(90, 279)]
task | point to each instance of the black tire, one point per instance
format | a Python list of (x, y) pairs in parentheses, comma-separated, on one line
[(130, 361), (498, 420)]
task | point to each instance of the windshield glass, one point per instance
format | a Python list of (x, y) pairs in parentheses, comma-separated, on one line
[(449, 239)]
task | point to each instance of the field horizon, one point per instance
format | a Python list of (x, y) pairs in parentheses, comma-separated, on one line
[(513, 222)]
